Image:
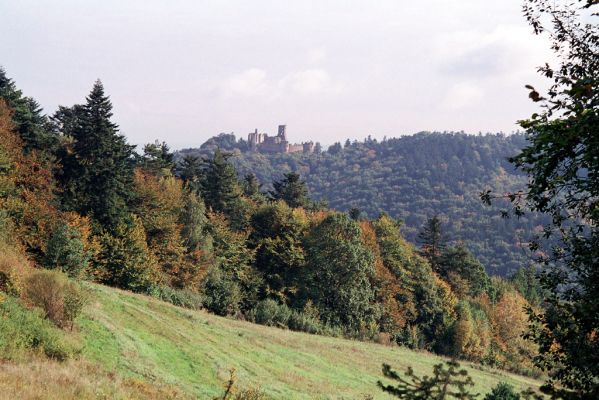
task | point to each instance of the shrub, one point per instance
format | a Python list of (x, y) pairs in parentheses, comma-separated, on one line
[(66, 251), (60, 299), (179, 297), (14, 268), (502, 391), (300, 321), (24, 331), (269, 312), (222, 295)]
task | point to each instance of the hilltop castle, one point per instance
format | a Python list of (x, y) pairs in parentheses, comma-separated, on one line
[(263, 143)]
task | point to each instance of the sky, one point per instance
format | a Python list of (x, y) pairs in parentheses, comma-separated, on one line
[(185, 70)]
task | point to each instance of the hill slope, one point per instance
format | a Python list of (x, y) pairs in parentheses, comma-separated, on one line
[(412, 178), (140, 337)]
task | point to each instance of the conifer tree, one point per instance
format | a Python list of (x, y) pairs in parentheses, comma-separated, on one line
[(251, 188), (158, 159), (97, 174), (31, 124), (190, 169), (432, 241), (222, 192), (292, 190)]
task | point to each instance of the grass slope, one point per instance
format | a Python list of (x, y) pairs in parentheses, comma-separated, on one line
[(143, 338)]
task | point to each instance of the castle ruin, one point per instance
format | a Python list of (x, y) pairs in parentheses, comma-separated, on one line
[(263, 143)]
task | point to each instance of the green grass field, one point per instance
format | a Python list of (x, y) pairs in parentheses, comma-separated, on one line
[(143, 338)]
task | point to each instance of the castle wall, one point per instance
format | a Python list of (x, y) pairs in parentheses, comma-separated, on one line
[(263, 143)]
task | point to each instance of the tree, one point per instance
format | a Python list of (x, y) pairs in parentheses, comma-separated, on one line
[(354, 213), (292, 190), (66, 251), (97, 174), (222, 192), (561, 160), (234, 260), (194, 222), (32, 126), (339, 269), (432, 241), (427, 300), (125, 260), (26, 188), (190, 169), (277, 237), (456, 264), (503, 391), (252, 188), (158, 159), (447, 382), (159, 203)]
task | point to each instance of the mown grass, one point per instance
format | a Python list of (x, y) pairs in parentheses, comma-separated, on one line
[(141, 338)]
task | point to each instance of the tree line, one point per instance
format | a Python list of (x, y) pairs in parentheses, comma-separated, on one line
[(77, 198)]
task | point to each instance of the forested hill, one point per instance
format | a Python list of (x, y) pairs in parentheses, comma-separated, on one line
[(411, 178)]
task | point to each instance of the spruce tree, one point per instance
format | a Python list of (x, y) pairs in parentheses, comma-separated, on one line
[(97, 174)]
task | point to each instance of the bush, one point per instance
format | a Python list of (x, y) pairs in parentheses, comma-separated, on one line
[(60, 299), (302, 322), (24, 331), (14, 268), (502, 391), (269, 312), (222, 295), (179, 297)]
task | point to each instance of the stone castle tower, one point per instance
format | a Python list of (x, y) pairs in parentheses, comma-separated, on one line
[(263, 143)]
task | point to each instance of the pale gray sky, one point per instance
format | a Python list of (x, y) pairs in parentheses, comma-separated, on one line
[(185, 70)]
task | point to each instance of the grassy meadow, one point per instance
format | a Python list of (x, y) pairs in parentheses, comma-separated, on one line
[(141, 339)]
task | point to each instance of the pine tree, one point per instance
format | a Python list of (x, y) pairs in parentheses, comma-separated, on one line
[(292, 190), (97, 174)]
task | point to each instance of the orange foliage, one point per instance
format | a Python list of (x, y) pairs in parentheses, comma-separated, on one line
[(27, 187), (159, 205), (386, 283)]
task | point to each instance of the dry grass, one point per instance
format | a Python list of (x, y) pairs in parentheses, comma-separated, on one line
[(43, 379)]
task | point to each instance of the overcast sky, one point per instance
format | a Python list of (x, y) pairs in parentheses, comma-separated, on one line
[(185, 70)]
